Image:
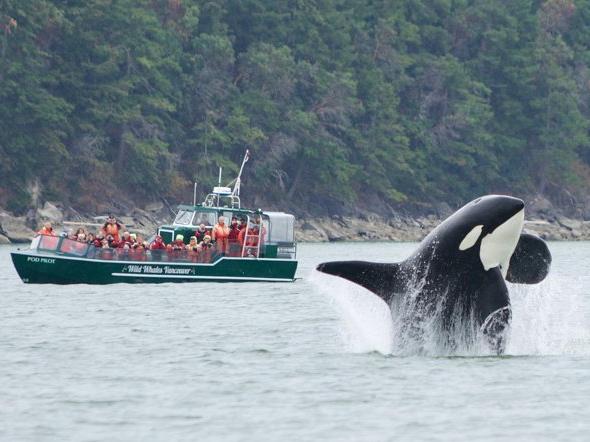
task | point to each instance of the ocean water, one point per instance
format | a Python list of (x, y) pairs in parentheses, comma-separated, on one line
[(313, 360)]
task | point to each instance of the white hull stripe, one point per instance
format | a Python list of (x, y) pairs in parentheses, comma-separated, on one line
[(229, 278)]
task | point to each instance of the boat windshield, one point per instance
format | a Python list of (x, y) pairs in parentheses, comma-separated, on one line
[(184, 217)]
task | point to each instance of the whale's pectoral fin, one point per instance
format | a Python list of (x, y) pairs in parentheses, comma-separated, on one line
[(530, 261), (382, 279), (493, 310)]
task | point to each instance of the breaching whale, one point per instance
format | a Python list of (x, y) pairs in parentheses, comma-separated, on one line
[(457, 274)]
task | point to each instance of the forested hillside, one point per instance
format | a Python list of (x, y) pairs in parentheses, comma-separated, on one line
[(342, 103)]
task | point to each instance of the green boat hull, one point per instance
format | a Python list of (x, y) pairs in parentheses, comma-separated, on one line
[(48, 268)]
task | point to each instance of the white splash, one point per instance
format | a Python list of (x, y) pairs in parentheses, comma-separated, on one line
[(366, 323), (544, 322)]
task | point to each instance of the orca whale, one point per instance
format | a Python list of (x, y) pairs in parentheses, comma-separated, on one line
[(457, 274)]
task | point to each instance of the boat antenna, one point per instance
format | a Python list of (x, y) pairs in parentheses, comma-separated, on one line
[(195, 194), (236, 191), (219, 184)]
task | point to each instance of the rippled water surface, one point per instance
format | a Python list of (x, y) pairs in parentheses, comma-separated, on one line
[(311, 360)]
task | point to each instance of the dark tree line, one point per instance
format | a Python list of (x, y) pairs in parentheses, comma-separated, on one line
[(343, 103)]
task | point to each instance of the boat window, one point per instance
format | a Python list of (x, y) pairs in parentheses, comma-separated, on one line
[(46, 242), (184, 217), (207, 218), (282, 228), (73, 247)]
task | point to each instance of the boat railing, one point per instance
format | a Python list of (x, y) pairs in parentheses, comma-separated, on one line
[(65, 246)]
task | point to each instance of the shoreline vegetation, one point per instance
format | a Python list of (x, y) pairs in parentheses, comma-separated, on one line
[(550, 225), (346, 107)]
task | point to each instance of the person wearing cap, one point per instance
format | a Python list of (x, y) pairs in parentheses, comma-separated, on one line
[(178, 243)]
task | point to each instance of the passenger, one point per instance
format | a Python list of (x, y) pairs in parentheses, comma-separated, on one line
[(47, 229), (233, 237), (80, 231), (99, 240), (207, 251), (113, 243), (193, 249), (137, 252), (201, 232), (220, 235), (243, 223), (178, 243), (176, 250), (81, 237), (158, 244), (90, 238), (111, 227), (126, 241)]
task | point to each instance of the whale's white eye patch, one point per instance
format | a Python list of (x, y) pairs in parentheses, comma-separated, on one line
[(471, 238)]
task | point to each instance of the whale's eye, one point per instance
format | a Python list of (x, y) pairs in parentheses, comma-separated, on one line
[(471, 238)]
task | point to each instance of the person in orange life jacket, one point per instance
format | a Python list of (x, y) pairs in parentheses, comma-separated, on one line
[(158, 244), (201, 232), (220, 235), (46, 230), (112, 227)]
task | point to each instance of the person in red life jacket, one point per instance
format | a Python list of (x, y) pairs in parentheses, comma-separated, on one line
[(113, 243), (201, 232), (126, 241), (137, 252), (220, 235), (233, 237), (158, 244), (178, 243), (98, 241), (112, 227), (47, 229), (176, 250)]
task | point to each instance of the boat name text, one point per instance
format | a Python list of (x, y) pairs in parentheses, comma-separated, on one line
[(166, 270), (41, 260)]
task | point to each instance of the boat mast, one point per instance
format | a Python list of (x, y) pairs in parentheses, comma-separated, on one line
[(236, 191)]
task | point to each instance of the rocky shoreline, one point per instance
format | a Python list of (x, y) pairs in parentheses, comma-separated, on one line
[(15, 229)]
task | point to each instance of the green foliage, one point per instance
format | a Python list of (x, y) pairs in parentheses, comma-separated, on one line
[(342, 103)]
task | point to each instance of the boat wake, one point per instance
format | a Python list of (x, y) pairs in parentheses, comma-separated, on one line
[(542, 323)]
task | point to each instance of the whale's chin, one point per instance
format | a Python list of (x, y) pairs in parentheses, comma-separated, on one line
[(498, 246)]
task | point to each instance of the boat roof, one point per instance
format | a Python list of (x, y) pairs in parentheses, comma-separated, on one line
[(201, 208)]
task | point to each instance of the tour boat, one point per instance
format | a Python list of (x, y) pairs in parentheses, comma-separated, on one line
[(267, 251)]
